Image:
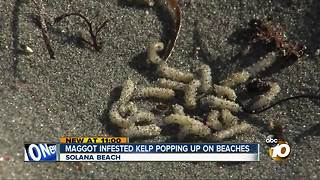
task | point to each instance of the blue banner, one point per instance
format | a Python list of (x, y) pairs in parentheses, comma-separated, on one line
[(159, 148)]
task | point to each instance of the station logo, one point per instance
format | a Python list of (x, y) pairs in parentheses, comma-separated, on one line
[(279, 148), (40, 152)]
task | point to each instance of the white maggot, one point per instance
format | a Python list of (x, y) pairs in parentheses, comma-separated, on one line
[(191, 94), (141, 131), (188, 125), (205, 78), (155, 92), (262, 65), (117, 119), (166, 83), (128, 109), (218, 103), (143, 117), (236, 78), (178, 109), (174, 74), (265, 99), (228, 119), (127, 91), (224, 92), (232, 131), (196, 129), (213, 121)]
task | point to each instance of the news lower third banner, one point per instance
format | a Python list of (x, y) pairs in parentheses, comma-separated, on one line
[(121, 150)]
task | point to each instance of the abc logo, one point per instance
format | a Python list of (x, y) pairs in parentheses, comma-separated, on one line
[(279, 149), (271, 140)]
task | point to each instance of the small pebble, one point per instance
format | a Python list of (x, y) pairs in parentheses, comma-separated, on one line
[(26, 49), (317, 52)]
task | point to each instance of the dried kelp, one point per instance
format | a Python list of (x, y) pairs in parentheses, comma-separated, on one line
[(93, 31), (43, 26), (171, 10)]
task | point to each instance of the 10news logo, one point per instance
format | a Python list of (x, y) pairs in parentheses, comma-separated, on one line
[(279, 149)]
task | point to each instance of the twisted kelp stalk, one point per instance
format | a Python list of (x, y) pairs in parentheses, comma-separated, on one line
[(93, 31), (171, 8), (42, 25), (175, 13)]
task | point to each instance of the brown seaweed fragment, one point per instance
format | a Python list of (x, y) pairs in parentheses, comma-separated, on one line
[(93, 31), (175, 13), (42, 25), (171, 8), (271, 34)]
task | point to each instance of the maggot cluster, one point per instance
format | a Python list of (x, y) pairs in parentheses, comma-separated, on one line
[(216, 105)]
